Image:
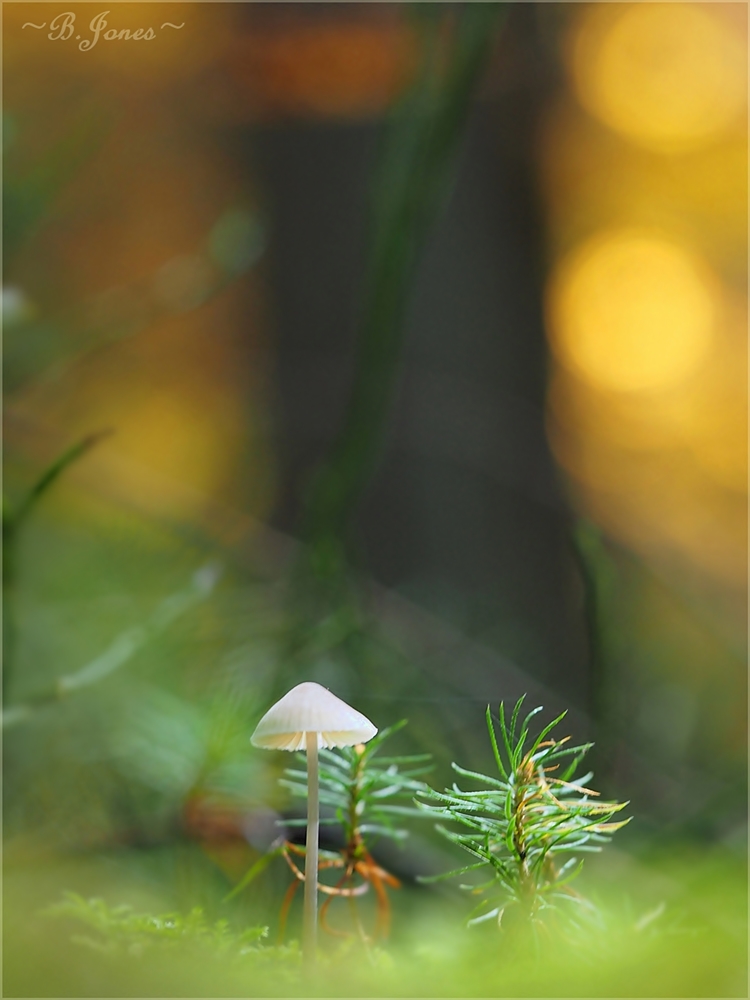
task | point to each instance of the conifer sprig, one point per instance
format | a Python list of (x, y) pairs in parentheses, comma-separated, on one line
[(367, 796), (366, 800), (518, 823)]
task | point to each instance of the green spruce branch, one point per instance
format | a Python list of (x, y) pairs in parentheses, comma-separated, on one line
[(366, 798), (526, 827)]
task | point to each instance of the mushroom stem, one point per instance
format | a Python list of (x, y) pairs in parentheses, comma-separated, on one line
[(310, 922)]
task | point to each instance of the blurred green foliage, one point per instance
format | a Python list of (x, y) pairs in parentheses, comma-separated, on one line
[(676, 931), (30, 190), (120, 931)]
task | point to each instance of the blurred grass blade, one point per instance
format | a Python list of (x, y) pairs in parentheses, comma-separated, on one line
[(52, 473), (123, 648), (413, 177), (29, 192), (260, 866), (12, 520)]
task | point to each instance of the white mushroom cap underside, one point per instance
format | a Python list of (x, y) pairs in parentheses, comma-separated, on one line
[(311, 708)]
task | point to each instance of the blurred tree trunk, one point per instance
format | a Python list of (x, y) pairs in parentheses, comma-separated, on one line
[(463, 513)]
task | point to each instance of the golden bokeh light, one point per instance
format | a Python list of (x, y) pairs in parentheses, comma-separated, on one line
[(660, 503), (624, 421), (706, 423), (590, 177), (647, 405), (710, 417), (631, 311), (669, 76)]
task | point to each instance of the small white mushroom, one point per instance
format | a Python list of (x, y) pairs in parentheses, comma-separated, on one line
[(306, 718)]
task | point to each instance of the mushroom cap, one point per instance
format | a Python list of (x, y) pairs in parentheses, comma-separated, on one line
[(311, 708)]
